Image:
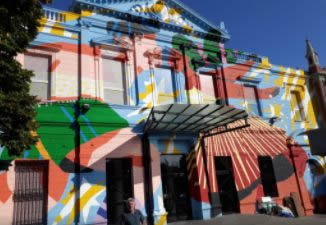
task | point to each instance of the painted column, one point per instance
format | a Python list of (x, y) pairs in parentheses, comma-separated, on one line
[(159, 212)]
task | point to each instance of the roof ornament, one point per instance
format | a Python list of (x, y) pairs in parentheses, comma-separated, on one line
[(222, 26)]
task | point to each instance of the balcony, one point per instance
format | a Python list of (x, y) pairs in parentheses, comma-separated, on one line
[(54, 15)]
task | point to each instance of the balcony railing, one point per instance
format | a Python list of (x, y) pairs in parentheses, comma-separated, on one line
[(54, 15), (243, 56)]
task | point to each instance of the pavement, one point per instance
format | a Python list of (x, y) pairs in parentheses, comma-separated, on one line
[(257, 219)]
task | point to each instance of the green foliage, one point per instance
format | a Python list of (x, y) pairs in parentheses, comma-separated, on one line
[(19, 26)]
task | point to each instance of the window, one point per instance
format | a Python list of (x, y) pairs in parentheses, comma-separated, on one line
[(251, 99), (267, 175), (207, 88), (165, 85), (114, 77), (297, 110), (39, 64), (31, 192)]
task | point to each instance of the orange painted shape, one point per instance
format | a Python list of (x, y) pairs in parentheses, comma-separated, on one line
[(91, 146), (57, 181), (5, 191), (137, 161), (54, 65)]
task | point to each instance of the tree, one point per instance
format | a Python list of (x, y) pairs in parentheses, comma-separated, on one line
[(18, 27)]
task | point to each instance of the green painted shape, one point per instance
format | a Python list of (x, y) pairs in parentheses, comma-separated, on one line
[(57, 132), (210, 49), (192, 54), (5, 155), (100, 117), (33, 153)]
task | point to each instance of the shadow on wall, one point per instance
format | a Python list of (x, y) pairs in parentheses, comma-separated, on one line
[(4, 165), (317, 141)]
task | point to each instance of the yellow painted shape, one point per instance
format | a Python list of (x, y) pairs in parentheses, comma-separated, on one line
[(279, 82), (266, 77), (74, 36), (187, 28), (84, 199), (40, 147), (265, 63), (162, 220), (174, 12), (57, 29), (42, 21), (58, 219), (71, 16), (164, 97), (311, 115), (291, 76), (158, 7), (277, 110), (69, 196), (148, 90), (193, 95), (86, 13)]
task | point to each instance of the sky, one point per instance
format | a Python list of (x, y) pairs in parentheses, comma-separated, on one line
[(276, 29)]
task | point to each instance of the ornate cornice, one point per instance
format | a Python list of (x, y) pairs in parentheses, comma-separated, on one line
[(154, 23)]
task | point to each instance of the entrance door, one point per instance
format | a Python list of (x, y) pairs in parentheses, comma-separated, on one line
[(31, 192), (226, 185), (175, 187), (119, 186)]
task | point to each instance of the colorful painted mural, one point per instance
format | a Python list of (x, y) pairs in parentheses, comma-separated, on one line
[(160, 52)]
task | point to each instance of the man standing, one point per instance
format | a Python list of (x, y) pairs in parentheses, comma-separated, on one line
[(133, 216)]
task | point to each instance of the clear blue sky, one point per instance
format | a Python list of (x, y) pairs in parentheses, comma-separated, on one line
[(273, 28)]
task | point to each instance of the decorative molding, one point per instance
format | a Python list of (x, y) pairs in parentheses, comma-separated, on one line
[(114, 43), (129, 16), (45, 46), (164, 53)]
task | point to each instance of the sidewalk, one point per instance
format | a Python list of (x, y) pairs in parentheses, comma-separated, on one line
[(258, 219)]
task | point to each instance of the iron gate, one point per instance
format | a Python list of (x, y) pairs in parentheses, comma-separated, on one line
[(31, 191)]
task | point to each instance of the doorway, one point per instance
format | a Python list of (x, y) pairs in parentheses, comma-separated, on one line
[(175, 187), (119, 186), (226, 185), (267, 175)]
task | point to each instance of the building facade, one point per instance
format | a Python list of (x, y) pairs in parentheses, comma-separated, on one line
[(317, 87), (143, 99)]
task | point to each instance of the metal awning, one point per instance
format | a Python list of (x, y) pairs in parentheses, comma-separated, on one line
[(192, 118)]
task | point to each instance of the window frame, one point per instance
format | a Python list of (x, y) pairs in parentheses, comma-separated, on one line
[(257, 99), (50, 80), (122, 55), (201, 72), (299, 107), (166, 65), (125, 78), (205, 68)]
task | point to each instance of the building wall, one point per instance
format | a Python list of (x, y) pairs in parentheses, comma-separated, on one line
[(77, 46)]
